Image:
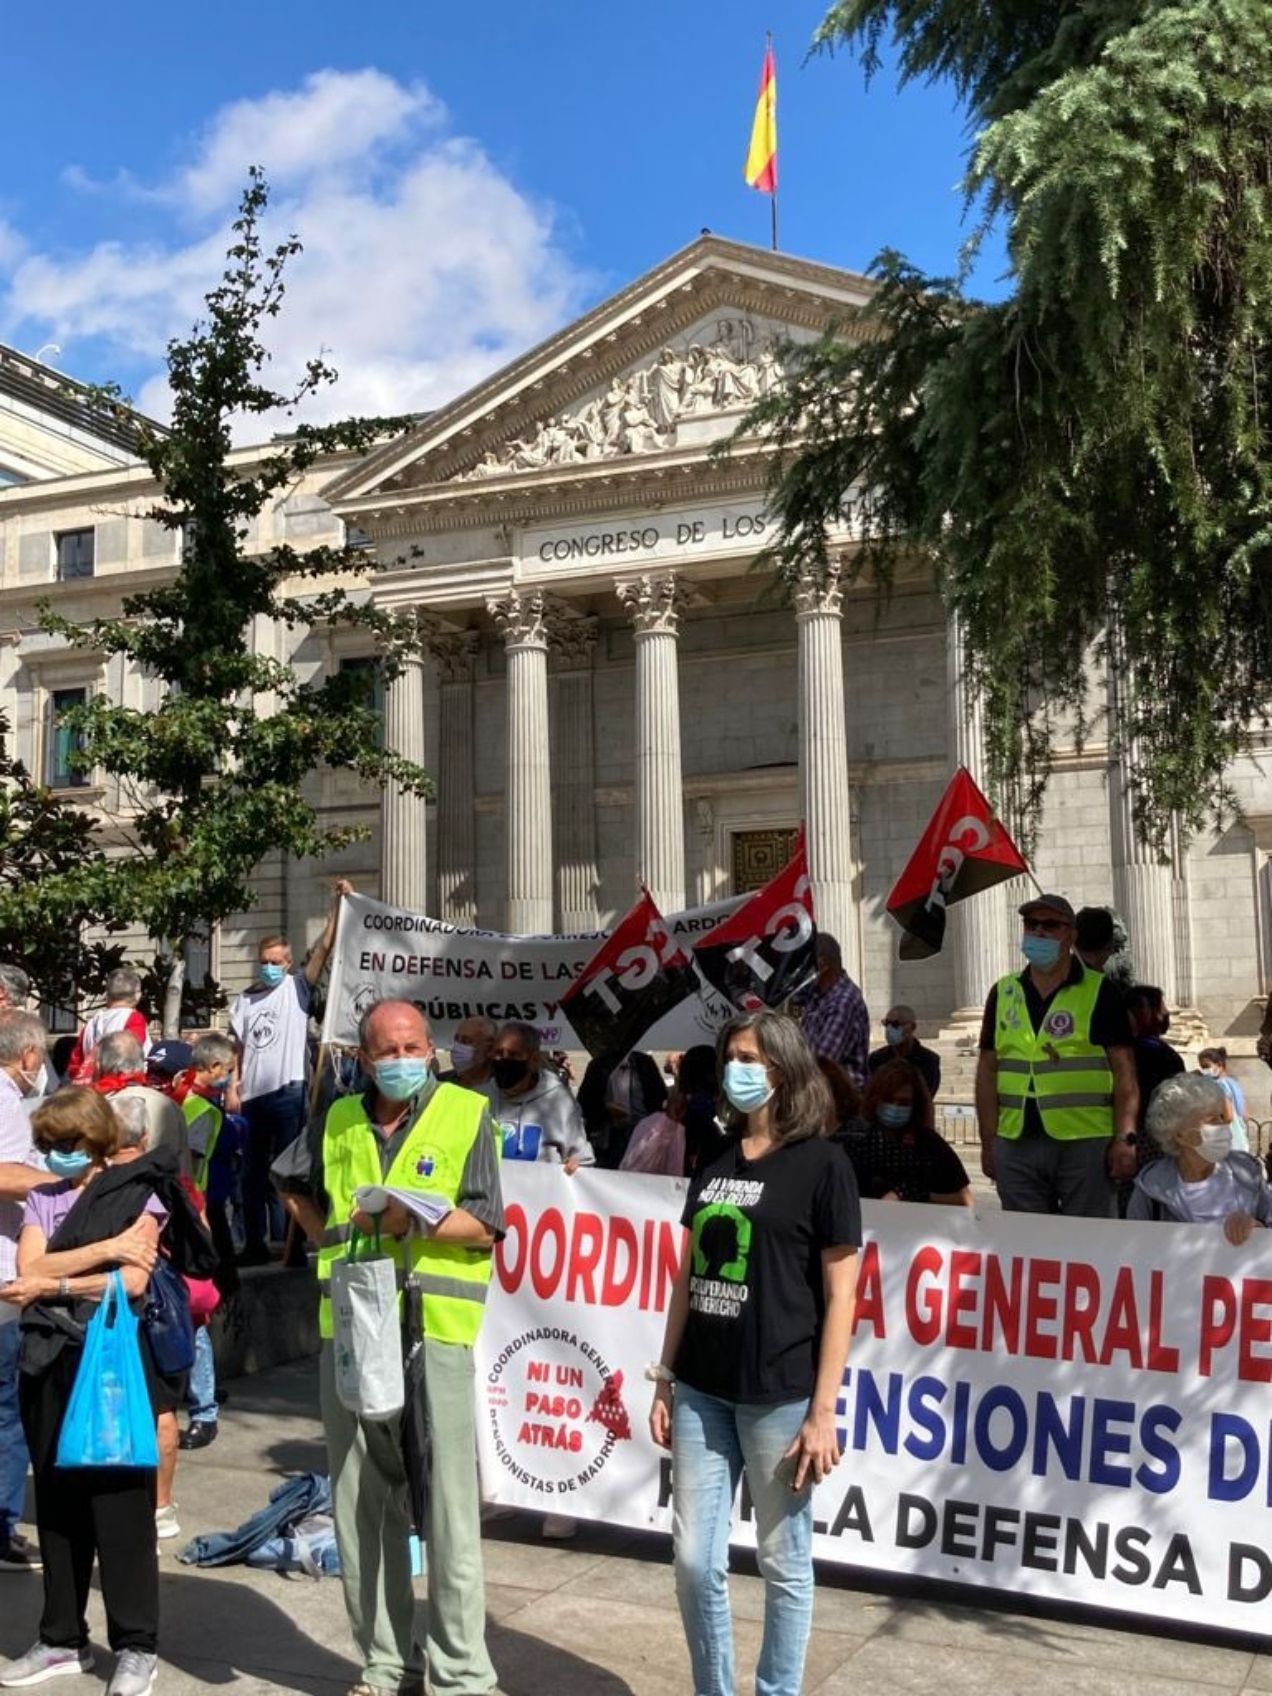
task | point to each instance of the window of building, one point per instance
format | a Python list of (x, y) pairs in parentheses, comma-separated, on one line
[(64, 743), (74, 554), (369, 669), (356, 536)]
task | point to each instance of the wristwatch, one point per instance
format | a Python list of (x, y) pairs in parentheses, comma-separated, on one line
[(657, 1373)]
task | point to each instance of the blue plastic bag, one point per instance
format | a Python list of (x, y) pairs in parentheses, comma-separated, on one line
[(109, 1420)]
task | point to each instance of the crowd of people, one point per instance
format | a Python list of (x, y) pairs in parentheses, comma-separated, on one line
[(171, 1164)]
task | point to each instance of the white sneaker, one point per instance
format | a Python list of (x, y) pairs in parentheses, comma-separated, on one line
[(134, 1675), (42, 1662), (558, 1527), (166, 1522)]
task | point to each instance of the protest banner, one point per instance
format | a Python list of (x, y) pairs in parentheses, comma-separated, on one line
[(451, 973), (1059, 1407)]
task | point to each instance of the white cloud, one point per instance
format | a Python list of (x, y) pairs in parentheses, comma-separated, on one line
[(424, 267)]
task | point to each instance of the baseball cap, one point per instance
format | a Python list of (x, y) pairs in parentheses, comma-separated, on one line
[(170, 1057), (1048, 904)]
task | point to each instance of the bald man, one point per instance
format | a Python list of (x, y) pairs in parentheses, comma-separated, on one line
[(408, 1131), (902, 1044)]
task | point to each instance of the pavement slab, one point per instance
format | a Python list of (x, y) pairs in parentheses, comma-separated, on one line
[(595, 1616)]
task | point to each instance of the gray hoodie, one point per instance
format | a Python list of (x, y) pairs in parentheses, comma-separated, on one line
[(1158, 1192), (549, 1105)]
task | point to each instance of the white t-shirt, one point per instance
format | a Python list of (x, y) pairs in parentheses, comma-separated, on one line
[(272, 1027), (1212, 1199)]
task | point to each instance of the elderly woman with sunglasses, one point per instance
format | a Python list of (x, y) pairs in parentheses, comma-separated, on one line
[(1199, 1178)]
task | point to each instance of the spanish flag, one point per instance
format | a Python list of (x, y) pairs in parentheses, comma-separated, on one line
[(761, 156)]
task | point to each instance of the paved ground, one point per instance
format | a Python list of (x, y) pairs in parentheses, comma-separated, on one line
[(596, 1617)]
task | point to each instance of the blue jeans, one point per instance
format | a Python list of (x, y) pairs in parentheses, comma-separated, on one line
[(274, 1121), (711, 1442), (13, 1449), (201, 1398)]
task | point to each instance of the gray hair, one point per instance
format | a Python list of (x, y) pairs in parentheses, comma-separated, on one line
[(802, 1104), (118, 1052), (134, 1122), (124, 984), (529, 1036), (364, 1023), (18, 1032), (15, 985), (1180, 1105), (214, 1049)]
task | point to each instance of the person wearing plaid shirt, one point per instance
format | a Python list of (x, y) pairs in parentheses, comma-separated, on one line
[(833, 1013)]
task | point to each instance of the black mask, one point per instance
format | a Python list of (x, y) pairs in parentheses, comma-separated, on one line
[(509, 1073)]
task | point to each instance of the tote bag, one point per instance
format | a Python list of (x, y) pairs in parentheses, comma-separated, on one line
[(366, 1333), (169, 1327), (109, 1420)]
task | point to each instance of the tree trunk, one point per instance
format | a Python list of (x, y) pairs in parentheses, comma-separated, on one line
[(172, 994)]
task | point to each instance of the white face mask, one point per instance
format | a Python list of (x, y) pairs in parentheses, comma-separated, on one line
[(1215, 1143)]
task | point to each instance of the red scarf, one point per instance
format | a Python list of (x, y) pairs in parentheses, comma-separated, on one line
[(115, 1081)]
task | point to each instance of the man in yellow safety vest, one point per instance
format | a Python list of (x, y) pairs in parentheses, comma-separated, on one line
[(408, 1132), (1056, 1096)]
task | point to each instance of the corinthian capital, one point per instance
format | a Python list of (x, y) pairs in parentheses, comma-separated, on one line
[(819, 590), (652, 602), (520, 617)]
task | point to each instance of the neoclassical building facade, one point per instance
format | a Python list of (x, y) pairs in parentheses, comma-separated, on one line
[(610, 693)]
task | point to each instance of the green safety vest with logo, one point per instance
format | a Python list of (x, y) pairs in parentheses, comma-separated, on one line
[(451, 1278), (1057, 1066), (196, 1107)]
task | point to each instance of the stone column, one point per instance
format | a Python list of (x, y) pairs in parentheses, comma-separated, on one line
[(456, 836), (823, 760), (574, 775), (403, 856), (1143, 884), (978, 926), (528, 796), (653, 604)]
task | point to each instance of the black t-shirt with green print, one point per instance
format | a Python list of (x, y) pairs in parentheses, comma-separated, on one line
[(757, 1232)]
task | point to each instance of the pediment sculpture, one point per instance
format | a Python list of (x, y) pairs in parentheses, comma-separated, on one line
[(640, 411)]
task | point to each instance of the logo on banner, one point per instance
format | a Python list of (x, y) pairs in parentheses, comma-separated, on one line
[(556, 1410)]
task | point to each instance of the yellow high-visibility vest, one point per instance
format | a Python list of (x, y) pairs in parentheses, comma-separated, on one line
[(452, 1278), (1057, 1066)]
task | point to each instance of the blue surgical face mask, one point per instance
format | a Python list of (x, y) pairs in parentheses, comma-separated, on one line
[(69, 1163), (1041, 951), (746, 1084), (400, 1079), (272, 975), (894, 1114), (462, 1055), (893, 1034)]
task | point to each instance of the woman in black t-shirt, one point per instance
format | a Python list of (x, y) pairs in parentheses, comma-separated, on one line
[(896, 1154), (754, 1352)]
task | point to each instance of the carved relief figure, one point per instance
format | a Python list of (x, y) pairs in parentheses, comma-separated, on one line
[(638, 411)]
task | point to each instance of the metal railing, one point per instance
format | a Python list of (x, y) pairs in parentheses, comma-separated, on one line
[(957, 1124)]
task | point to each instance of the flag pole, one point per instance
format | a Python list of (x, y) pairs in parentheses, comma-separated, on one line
[(773, 196)]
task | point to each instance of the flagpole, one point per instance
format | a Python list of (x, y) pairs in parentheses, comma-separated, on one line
[(773, 196)]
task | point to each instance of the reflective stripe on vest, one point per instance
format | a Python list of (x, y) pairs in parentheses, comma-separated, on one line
[(451, 1278), (1057, 1066)]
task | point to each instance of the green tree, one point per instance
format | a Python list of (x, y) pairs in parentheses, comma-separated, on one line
[(47, 850), (219, 771), (1087, 460)]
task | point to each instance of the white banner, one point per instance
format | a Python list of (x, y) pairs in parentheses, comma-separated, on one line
[(451, 973), (1059, 1407)]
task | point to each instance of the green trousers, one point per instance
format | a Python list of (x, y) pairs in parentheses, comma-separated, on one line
[(369, 1503)]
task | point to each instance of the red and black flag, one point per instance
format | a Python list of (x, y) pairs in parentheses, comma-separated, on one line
[(764, 951), (963, 851), (637, 975)]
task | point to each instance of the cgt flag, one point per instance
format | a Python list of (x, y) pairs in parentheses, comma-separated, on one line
[(637, 975), (764, 952), (963, 851)]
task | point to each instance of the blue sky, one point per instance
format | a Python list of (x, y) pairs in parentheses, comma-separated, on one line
[(463, 180)]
